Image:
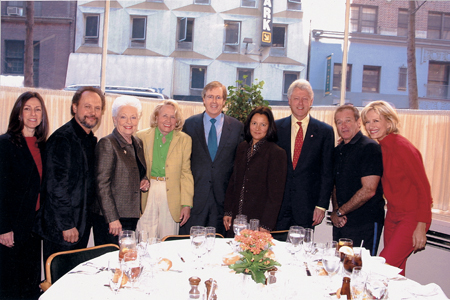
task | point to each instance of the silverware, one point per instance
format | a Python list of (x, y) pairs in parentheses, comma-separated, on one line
[(308, 272), (89, 264), (178, 271)]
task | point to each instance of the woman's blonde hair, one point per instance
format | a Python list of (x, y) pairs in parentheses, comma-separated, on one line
[(178, 115), (383, 109)]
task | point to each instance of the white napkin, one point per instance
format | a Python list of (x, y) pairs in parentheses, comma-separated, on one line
[(428, 290)]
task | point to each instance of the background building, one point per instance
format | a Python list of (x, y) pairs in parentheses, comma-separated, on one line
[(377, 59), (177, 46), (54, 33)]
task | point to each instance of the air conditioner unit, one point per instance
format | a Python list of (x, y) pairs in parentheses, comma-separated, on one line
[(14, 11)]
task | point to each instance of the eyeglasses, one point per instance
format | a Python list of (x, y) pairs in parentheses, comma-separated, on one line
[(211, 97)]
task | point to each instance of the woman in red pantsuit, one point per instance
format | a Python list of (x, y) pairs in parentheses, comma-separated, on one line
[(405, 186)]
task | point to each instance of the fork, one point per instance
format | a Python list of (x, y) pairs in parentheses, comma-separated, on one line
[(85, 272)]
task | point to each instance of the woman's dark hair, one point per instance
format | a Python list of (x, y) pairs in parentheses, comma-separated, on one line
[(16, 124), (271, 135)]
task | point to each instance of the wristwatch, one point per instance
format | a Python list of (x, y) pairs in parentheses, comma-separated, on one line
[(338, 213)]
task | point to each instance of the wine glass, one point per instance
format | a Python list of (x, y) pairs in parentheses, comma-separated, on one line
[(131, 266), (308, 241), (127, 241), (153, 253), (296, 235), (198, 241), (331, 262), (116, 274)]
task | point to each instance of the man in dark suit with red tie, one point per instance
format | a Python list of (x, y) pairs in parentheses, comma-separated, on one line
[(215, 137), (309, 145)]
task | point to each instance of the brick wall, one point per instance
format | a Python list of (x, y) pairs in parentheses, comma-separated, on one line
[(388, 12)]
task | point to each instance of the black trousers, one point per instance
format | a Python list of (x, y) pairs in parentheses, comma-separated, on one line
[(20, 269), (101, 229), (51, 247)]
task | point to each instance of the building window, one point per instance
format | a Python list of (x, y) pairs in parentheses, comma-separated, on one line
[(159, 1), (438, 80), (363, 19), (249, 3), (185, 33), (371, 79), (402, 25), (138, 31), (202, 2), (288, 79), (294, 4), (246, 76), (91, 29), (14, 57), (337, 77), (198, 79), (232, 36), (279, 34), (438, 26), (402, 77)]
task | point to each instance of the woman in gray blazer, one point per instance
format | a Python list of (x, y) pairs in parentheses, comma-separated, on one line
[(120, 174)]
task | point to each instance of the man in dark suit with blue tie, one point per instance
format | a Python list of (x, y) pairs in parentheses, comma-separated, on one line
[(215, 137), (309, 145)]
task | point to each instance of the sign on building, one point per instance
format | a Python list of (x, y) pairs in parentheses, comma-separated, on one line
[(266, 38)]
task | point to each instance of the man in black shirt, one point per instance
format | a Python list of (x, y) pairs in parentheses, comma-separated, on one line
[(358, 204)]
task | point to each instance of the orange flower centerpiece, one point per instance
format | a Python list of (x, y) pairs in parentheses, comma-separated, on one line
[(256, 257)]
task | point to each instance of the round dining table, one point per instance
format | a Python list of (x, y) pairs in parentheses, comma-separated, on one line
[(292, 281)]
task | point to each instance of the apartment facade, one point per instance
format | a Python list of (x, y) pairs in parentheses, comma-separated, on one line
[(377, 57), (178, 46), (53, 40)]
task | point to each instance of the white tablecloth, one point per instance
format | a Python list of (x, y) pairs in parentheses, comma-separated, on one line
[(292, 282)]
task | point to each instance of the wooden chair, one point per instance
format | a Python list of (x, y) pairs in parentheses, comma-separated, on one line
[(181, 237), (280, 235), (62, 262)]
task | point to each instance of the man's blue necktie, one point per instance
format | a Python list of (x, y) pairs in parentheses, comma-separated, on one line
[(212, 140)]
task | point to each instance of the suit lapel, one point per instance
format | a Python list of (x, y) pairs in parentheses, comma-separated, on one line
[(149, 140), (200, 132), (173, 143), (226, 132), (285, 138), (310, 136)]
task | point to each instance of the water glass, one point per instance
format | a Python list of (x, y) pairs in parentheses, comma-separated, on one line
[(132, 266), (198, 241), (210, 238), (239, 225), (308, 240), (254, 224), (376, 287), (358, 282), (143, 239), (296, 236), (127, 241)]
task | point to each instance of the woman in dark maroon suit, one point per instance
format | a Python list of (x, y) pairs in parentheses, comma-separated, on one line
[(21, 149), (256, 186)]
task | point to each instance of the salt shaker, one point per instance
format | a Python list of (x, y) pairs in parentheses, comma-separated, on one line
[(194, 293)]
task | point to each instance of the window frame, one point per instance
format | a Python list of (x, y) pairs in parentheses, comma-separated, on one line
[(359, 21), (402, 78), (286, 87), (249, 6), (196, 90), (200, 3), (181, 43), (366, 77), (16, 57), (91, 39), (338, 77), (230, 46), (132, 28), (295, 5), (400, 25), (442, 31), (245, 81)]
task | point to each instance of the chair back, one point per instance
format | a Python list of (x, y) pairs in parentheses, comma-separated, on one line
[(58, 264), (280, 235)]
